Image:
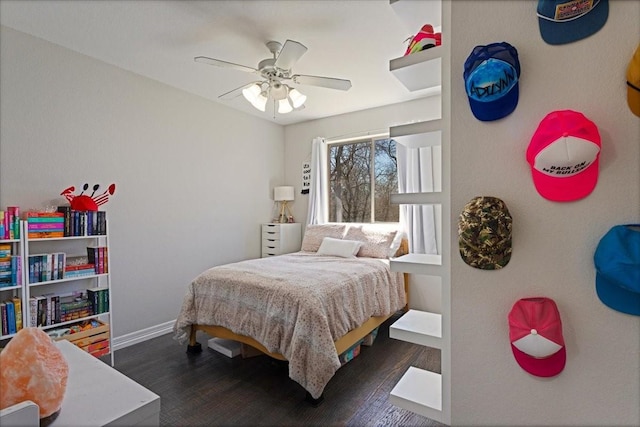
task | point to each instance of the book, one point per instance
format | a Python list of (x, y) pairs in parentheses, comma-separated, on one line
[(33, 311), (99, 299), (11, 317), (45, 220), (2, 225), (45, 234), (41, 311), (45, 226), (95, 255), (5, 321), (17, 307), (66, 214), (32, 214)]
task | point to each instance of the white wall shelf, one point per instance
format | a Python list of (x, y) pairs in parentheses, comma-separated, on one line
[(428, 264), (418, 327), (420, 70), (416, 198), (419, 391)]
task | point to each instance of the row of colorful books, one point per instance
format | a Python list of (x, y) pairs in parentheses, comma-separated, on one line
[(10, 267), (10, 223), (57, 265), (65, 222), (11, 316), (51, 309)]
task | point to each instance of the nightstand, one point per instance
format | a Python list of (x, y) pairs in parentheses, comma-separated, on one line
[(278, 239)]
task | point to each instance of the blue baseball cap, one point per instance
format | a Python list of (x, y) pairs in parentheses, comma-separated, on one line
[(491, 76), (617, 261), (566, 21)]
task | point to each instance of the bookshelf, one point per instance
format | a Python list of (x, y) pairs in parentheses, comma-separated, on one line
[(67, 284), (11, 289)]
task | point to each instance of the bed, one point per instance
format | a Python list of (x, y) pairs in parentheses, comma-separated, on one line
[(306, 307)]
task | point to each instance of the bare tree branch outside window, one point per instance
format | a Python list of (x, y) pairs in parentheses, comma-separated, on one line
[(359, 171)]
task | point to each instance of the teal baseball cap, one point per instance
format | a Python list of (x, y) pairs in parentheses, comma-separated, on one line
[(567, 21), (617, 262)]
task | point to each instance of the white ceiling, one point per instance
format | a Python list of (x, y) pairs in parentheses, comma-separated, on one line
[(159, 39)]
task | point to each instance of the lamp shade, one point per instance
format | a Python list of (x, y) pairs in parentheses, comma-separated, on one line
[(281, 194), (284, 106), (297, 98)]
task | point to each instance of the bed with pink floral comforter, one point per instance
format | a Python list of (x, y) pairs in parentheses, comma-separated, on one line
[(296, 305)]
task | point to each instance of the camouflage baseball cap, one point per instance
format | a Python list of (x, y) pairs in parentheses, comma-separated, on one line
[(484, 233)]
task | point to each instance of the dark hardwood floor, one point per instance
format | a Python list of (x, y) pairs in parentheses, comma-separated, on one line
[(210, 389)]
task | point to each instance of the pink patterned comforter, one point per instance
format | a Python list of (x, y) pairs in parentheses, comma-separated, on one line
[(296, 305)]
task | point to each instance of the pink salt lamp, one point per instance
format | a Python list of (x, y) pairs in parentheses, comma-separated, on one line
[(33, 368)]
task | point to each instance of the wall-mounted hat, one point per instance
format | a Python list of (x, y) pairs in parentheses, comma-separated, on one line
[(491, 75), (484, 233), (617, 261), (633, 83), (566, 21), (535, 332), (564, 154)]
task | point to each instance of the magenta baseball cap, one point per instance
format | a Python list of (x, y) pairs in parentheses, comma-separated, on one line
[(564, 154)]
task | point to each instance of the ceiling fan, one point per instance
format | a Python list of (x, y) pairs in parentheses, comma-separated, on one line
[(274, 72)]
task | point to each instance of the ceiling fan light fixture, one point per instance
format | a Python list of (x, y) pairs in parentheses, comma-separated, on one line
[(252, 92), (297, 98), (284, 106), (256, 96)]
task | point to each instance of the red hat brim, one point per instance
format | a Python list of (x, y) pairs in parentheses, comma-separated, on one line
[(567, 189)]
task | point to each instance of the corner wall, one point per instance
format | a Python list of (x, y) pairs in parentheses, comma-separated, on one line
[(193, 178), (553, 243)]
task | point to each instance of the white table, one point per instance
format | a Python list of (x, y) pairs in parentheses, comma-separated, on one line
[(98, 395)]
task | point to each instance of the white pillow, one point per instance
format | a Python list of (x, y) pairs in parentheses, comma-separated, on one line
[(338, 247)]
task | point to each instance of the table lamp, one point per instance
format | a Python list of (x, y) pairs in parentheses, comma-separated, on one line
[(283, 195)]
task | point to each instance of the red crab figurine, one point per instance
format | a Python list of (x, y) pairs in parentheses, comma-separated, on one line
[(82, 202)]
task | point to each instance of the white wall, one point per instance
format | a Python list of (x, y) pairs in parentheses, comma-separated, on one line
[(553, 243), (193, 178)]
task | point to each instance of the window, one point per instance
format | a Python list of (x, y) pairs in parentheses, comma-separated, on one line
[(362, 176)]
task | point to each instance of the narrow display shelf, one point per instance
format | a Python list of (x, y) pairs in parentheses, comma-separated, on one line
[(433, 198), (415, 128), (419, 391), (427, 264), (418, 327), (68, 279), (420, 70)]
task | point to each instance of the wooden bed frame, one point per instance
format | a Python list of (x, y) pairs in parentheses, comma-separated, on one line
[(343, 344)]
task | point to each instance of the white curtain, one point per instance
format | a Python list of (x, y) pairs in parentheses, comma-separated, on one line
[(415, 175), (318, 194)]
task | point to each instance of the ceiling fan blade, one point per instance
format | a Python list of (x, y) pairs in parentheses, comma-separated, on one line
[(328, 82), (225, 64), (289, 54), (235, 92)]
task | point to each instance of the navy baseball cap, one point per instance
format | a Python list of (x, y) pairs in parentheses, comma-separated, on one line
[(617, 261), (491, 75), (566, 21)]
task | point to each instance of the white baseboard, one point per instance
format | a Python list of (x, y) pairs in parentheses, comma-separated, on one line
[(142, 335)]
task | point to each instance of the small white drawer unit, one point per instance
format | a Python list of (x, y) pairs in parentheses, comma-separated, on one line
[(278, 239)]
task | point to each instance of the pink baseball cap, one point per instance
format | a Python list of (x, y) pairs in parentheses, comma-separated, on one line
[(564, 154), (535, 332)]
